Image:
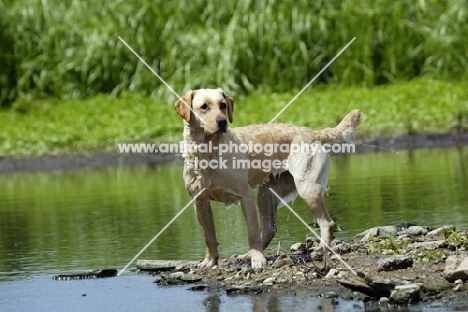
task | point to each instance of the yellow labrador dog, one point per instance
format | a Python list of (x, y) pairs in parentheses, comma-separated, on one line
[(230, 163)]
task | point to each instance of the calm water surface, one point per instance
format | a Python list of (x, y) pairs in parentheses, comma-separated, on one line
[(61, 221)]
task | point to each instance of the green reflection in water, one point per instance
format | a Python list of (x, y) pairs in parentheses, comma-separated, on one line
[(57, 221)]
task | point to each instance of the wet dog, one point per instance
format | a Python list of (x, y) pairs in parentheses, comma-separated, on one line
[(229, 175)]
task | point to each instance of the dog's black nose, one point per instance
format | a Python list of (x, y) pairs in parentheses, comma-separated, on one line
[(222, 124)]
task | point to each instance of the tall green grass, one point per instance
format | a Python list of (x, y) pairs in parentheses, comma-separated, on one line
[(70, 48)]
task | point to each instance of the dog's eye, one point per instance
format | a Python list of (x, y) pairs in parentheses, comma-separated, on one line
[(222, 105), (204, 106)]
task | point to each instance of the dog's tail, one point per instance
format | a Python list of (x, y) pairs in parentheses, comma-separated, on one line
[(344, 132)]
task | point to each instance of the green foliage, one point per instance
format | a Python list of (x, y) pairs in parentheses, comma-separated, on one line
[(387, 246), (70, 49), (430, 255), (457, 240), (36, 127)]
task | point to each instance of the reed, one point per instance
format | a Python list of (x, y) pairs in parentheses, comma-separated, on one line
[(70, 49)]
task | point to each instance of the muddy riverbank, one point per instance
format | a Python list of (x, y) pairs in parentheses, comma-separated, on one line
[(102, 159), (391, 266)]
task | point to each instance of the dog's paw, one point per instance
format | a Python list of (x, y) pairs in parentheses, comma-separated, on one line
[(244, 257), (257, 259), (208, 263)]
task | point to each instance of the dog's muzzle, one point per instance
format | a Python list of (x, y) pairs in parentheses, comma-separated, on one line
[(222, 124)]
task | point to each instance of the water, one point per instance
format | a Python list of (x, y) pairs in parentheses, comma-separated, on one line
[(60, 221)]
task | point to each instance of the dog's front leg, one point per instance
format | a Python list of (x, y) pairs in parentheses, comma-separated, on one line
[(206, 220), (255, 253)]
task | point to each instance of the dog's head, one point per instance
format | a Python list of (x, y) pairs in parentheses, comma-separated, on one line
[(206, 108)]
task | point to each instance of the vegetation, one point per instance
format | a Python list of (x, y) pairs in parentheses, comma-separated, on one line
[(454, 240), (32, 127), (68, 84), (457, 240), (70, 49), (387, 246)]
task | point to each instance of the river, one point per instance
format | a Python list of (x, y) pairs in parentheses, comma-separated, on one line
[(55, 222)]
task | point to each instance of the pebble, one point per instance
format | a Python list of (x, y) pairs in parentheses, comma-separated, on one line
[(191, 278), (416, 231), (459, 287), (176, 275), (330, 294), (332, 273), (342, 274), (298, 248), (384, 300), (269, 281)]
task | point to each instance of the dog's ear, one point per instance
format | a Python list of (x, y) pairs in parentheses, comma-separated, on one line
[(182, 106), (230, 105)]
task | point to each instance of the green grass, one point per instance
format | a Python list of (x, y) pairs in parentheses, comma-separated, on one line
[(70, 49), (42, 127)]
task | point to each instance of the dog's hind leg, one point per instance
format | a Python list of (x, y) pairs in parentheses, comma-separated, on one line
[(311, 177), (268, 203)]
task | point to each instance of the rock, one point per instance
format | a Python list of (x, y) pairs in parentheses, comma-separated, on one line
[(241, 289), (281, 261), (369, 285), (431, 245), (177, 278), (198, 288), (343, 248), (269, 281), (387, 231), (315, 256), (332, 273), (415, 231), (458, 281), (330, 294), (342, 274), (364, 236), (298, 248), (406, 293), (384, 300), (191, 278), (404, 226), (246, 270), (382, 231), (459, 287), (299, 276), (176, 275), (165, 265), (395, 263), (456, 267), (440, 233)]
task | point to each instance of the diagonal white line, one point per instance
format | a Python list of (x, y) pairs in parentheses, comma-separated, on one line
[(313, 79), (160, 78), (312, 230), (160, 232)]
